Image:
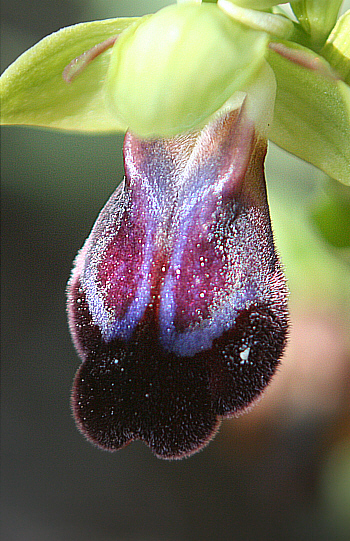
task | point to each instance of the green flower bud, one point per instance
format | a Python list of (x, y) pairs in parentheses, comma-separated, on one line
[(337, 47), (317, 17), (171, 71)]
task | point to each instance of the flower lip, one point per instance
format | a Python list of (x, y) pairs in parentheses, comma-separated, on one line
[(177, 302), (174, 404)]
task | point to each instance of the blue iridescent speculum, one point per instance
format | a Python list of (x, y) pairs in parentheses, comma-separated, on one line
[(177, 301)]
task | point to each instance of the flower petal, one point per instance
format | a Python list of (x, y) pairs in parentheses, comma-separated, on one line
[(33, 92), (272, 23), (256, 4), (312, 114)]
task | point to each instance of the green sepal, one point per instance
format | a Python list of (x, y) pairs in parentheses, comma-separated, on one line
[(312, 113), (170, 72), (33, 92), (337, 47)]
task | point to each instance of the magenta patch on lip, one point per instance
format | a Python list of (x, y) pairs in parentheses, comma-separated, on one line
[(120, 270), (177, 302)]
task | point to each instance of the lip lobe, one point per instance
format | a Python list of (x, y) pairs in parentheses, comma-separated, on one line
[(177, 302)]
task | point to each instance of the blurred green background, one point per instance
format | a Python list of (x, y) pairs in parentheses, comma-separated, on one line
[(280, 472)]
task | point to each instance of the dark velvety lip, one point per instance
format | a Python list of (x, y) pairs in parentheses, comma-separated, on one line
[(177, 301), (135, 390)]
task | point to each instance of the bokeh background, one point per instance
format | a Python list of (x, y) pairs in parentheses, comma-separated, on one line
[(280, 472)]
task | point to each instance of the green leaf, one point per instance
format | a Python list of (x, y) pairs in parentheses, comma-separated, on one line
[(312, 111), (33, 92), (337, 47)]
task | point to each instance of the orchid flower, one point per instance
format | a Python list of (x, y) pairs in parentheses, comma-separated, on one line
[(177, 303)]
